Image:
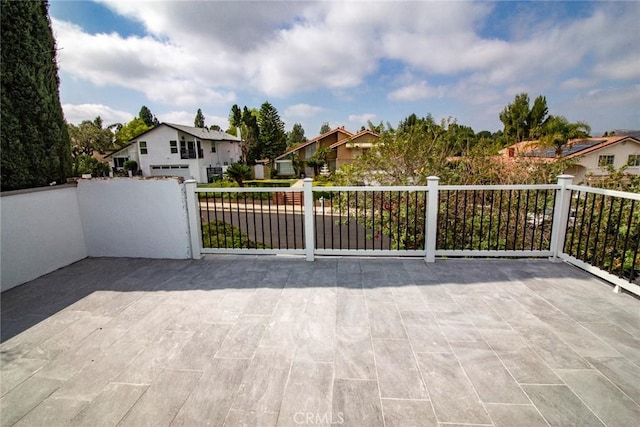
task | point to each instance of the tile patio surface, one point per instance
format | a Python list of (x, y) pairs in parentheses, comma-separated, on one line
[(279, 341)]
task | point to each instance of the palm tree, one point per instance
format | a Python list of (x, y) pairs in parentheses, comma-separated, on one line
[(557, 132), (239, 173)]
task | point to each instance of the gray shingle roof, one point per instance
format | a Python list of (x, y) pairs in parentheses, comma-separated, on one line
[(212, 135)]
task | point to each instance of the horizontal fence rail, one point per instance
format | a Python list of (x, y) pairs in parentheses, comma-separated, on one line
[(595, 229)]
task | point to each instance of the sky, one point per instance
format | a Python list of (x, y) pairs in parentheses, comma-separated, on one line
[(346, 63)]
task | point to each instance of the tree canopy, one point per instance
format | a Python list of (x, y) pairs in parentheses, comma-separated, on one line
[(324, 128), (522, 122), (558, 131), (87, 138), (421, 147), (129, 131), (35, 147), (296, 136), (199, 119), (147, 117), (273, 140)]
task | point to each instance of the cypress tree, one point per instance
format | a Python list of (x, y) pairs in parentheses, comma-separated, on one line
[(34, 141)]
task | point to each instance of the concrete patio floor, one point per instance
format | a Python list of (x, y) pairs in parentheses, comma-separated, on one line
[(265, 341)]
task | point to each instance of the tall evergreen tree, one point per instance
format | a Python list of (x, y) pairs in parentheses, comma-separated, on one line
[(324, 128), (235, 116), (296, 136), (147, 117), (34, 141), (521, 121), (199, 120), (250, 133), (272, 135)]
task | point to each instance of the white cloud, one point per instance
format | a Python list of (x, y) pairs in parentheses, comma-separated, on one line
[(577, 83), (210, 53), (416, 91), (302, 110), (362, 118), (76, 113), (164, 72)]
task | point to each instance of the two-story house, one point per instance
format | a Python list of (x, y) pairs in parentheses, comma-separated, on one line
[(343, 147), (178, 150)]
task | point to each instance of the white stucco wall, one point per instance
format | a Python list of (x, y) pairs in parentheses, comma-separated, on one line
[(158, 149), (40, 232), (139, 218), (620, 150)]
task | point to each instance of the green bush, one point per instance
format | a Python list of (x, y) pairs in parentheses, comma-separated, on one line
[(270, 183), (131, 165), (239, 172), (88, 164), (219, 234)]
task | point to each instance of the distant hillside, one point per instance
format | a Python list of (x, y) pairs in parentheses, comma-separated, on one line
[(635, 133)]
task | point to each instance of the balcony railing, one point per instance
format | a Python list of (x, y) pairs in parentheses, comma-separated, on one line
[(191, 154), (598, 230)]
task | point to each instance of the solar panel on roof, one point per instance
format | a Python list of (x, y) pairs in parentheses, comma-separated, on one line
[(576, 147), (581, 145)]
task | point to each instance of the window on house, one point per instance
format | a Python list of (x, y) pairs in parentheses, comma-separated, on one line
[(174, 147), (213, 147), (605, 160), (143, 147), (634, 160)]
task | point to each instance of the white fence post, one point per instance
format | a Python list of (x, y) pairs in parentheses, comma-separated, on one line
[(431, 220), (193, 212), (309, 231), (561, 215)]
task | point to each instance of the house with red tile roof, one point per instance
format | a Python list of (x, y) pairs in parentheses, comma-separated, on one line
[(594, 156)]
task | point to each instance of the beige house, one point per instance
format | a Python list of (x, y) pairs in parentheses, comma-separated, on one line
[(594, 156), (350, 148), (344, 146)]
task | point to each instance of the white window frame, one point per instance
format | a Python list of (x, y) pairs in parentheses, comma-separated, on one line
[(602, 164), (636, 160)]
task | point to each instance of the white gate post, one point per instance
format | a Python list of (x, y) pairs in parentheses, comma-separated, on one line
[(193, 213), (431, 219), (561, 215), (309, 229)]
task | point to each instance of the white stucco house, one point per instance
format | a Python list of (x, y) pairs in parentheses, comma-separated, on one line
[(594, 156), (177, 150)]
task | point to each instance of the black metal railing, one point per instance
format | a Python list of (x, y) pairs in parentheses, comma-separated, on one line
[(251, 219), (369, 220), (498, 218), (191, 153), (603, 230)]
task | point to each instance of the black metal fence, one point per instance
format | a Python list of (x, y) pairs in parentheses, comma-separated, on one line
[(496, 218), (603, 230), (582, 225)]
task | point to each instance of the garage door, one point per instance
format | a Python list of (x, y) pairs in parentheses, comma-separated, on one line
[(171, 170)]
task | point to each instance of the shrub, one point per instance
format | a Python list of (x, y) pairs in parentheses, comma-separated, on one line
[(239, 172), (131, 165), (88, 164), (218, 234)]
